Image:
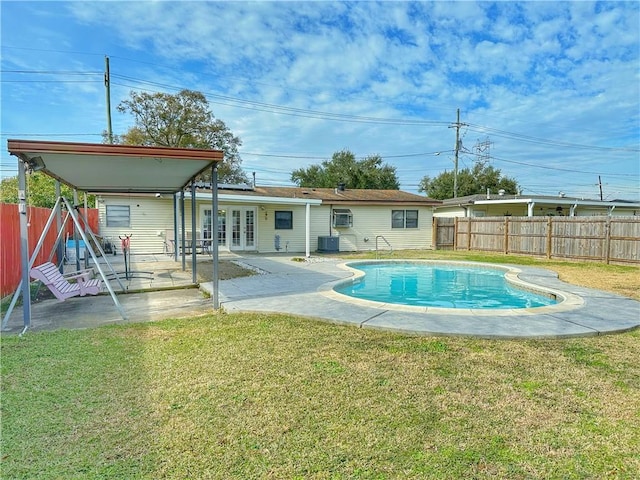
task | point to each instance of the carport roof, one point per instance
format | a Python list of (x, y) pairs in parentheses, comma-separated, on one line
[(105, 168)]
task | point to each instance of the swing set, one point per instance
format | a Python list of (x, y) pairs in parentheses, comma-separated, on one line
[(56, 282)]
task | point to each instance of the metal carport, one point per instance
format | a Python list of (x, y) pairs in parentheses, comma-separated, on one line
[(106, 168)]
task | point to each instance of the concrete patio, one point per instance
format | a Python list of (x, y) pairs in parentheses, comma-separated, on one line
[(305, 288)]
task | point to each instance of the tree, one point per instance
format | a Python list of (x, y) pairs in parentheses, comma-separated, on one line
[(470, 182), (41, 190), (182, 120), (344, 168)]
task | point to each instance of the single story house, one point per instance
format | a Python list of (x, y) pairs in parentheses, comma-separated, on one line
[(275, 219), (498, 205)]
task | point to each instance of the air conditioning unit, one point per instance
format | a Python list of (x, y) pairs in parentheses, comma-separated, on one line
[(342, 217), (328, 244)]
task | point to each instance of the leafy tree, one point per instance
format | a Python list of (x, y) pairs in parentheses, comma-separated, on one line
[(41, 190), (182, 120), (344, 168), (470, 182)]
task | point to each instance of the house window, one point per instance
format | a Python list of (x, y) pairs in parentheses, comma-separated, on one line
[(284, 220), (404, 219), (342, 217), (118, 216)]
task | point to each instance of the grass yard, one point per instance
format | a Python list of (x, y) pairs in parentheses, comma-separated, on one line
[(250, 396)]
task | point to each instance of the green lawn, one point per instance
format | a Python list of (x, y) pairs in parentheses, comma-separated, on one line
[(280, 397)]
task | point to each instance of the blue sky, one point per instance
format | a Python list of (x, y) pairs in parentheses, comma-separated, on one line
[(552, 87)]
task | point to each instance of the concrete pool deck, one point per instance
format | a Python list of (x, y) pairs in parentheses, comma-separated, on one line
[(305, 288)]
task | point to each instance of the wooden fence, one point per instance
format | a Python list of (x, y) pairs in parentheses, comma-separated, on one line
[(11, 265), (601, 239)]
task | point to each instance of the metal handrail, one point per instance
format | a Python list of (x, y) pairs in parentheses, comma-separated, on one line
[(385, 241)]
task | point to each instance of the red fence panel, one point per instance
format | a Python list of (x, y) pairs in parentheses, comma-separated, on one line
[(10, 264)]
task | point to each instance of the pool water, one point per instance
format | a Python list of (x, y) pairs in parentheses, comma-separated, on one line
[(440, 285)]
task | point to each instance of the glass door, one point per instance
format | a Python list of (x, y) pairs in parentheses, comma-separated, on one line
[(243, 228), (222, 226)]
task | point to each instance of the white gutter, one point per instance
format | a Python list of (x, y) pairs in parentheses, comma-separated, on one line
[(559, 201), (223, 197)]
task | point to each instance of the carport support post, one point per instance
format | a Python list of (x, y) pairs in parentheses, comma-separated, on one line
[(307, 228), (75, 232), (214, 234), (60, 247), (24, 244), (175, 227), (193, 233), (181, 242)]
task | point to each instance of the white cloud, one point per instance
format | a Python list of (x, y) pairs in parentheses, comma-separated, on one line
[(560, 71)]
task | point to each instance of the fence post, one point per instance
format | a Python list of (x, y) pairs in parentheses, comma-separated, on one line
[(455, 234), (469, 234), (505, 242), (607, 241), (549, 228), (434, 233)]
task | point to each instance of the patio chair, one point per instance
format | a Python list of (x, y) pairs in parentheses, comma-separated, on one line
[(59, 284), (169, 242)]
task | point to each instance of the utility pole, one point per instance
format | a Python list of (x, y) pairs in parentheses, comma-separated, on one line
[(107, 84), (600, 185), (457, 126)]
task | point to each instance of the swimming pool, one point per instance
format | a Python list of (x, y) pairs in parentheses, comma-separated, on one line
[(441, 285)]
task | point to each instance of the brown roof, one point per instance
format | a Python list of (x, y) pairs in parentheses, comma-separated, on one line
[(335, 196)]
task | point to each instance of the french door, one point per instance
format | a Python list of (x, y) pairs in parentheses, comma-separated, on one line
[(242, 223), (236, 227)]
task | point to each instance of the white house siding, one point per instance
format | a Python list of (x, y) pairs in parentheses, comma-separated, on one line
[(290, 240), (617, 212), (149, 217), (371, 221), (449, 212)]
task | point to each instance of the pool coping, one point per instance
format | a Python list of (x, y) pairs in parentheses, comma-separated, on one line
[(300, 288)]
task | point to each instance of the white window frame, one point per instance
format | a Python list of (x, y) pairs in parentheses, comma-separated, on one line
[(118, 215), (405, 219), (342, 218), (283, 213)]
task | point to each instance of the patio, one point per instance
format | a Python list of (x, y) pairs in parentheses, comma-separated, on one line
[(304, 288)]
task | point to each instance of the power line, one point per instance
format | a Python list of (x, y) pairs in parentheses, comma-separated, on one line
[(541, 141), (298, 112), (557, 168)]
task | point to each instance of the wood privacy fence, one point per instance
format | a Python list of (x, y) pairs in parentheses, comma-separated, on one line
[(11, 265), (601, 239)]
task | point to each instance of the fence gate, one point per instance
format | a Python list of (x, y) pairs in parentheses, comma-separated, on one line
[(444, 233)]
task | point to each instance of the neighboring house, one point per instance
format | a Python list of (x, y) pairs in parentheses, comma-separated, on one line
[(497, 205), (277, 219)]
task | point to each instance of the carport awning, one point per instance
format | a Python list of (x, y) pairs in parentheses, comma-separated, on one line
[(105, 168)]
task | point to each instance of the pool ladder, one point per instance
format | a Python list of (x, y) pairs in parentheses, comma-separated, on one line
[(385, 241)]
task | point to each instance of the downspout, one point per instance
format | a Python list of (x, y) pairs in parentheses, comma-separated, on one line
[(530, 209), (611, 209), (572, 210)]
